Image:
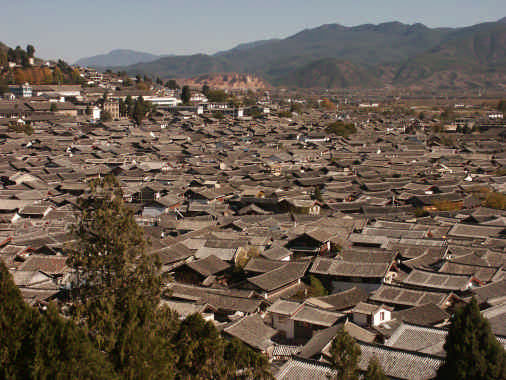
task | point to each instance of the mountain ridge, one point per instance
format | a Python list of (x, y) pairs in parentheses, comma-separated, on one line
[(389, 53), (117, 57)]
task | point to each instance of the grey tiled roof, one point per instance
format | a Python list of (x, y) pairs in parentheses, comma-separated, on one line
[(277, 278), (497, 318), (253, 331), (285, 350), (303, 369), (314, 316), (400, 364), (425, 315), (437, 280), (418, 338), (492, 292), (333, 267), (209, 265), (276, 252), (284, 307), (396, 295), (475, 231), (339, 301)]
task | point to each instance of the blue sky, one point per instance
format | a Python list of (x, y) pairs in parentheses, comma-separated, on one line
[(73, 29)]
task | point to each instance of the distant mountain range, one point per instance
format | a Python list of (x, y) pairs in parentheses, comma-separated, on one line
[(364, 56), (118, 57)]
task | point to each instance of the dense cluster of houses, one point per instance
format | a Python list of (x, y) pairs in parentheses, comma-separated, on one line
[(248, 215)]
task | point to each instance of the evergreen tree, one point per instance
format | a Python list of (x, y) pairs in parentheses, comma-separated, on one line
[(30, 50), (139, 110), (472, 351), (345, 354), (3, 58), (117, 286), (374, 371), (14, 320), (11, 55), (172, 84), (206, 89), (122, 108), (200, 349), (4, 87), (105, 116), (185, 95), (317, 194), (118, 295), (502, 105), (204, 354), (241, 359), (20, 55), (63, 350), (43, 346), (129, 106)]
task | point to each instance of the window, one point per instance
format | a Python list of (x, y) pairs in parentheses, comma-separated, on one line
[(382, 315)]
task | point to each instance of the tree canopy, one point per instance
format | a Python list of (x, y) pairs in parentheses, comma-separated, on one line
[(172, 84), (37, 345), (185, 95), (30, 51), (502, 105), (341, 129), (472, 351), (118, 300), (374, 371), (345, 354), (136, 109)]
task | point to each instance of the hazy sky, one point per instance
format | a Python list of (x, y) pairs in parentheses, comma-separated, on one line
[(73, 29)]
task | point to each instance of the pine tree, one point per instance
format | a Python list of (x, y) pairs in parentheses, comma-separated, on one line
[(129, 106), (105, 116), (374, 371), (63, 350), (199, 347), (204, 354), (4, 87), (139, 110), (206, 89), (117, 286), (185, 95), (14, 318), (345, 354), (501, 106), (122, 108), (43, 346), (472, 351), (3, 58), (238, 358), (317, 194), (172, 84), (117, 297), (30, 51)]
